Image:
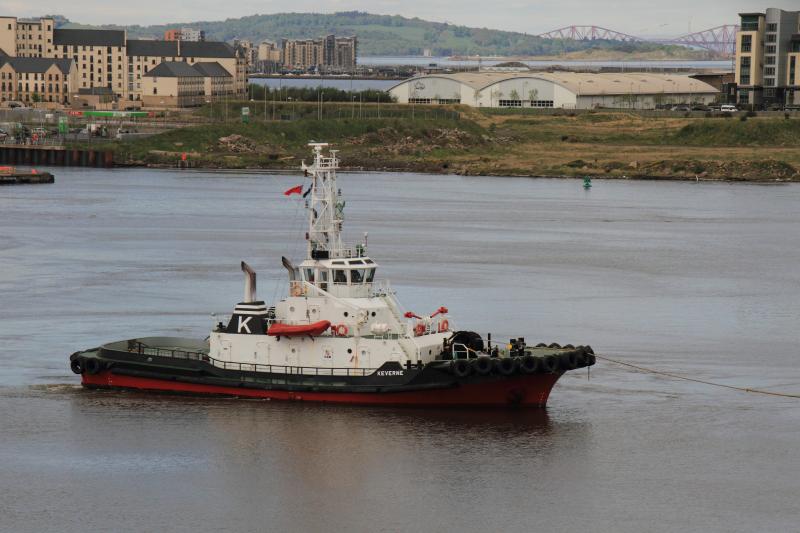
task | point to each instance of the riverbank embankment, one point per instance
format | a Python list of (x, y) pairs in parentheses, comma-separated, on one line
[(458, 140)]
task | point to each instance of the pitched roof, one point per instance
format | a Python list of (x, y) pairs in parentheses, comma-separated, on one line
[(212, 69), (174, 69), (583, 83), (38, 64), (143, 47), (216, 49), (89, 37), (211, 49)]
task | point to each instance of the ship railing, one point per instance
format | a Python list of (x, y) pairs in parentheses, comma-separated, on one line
[(460, 351), (176, 353), (382, 287), (288, 370)]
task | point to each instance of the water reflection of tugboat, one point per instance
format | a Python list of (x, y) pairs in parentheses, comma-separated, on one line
[(339, 336)]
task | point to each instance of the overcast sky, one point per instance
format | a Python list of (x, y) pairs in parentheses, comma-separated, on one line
[(638, 17)]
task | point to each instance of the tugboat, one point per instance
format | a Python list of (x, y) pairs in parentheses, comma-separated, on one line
[(339, 336)]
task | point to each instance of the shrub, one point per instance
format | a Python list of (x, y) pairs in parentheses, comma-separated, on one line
[(743, 118)]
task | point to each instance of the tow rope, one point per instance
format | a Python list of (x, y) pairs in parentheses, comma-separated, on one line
[(685, 378)]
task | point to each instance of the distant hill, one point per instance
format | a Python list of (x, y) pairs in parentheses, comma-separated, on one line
[(393, 35)]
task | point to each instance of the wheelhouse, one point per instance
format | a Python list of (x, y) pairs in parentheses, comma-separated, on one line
[(352, 277)]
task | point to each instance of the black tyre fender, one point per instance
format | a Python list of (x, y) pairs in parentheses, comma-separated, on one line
[(482, 365), (92, 365), (581, 357), (588, 349), (529, 364), (555, 345), (569, 360), (506, 366), (590, 359), (76, 365), (541, 345), (460, 367), (550, 363)]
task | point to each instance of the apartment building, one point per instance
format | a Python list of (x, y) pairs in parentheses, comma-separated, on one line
[(107, 58), (329, 53), (768, 58), (185, 34), (180, 84), (268, 58), (38, 80)]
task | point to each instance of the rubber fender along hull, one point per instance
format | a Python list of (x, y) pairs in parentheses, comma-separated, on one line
[(522, 390)]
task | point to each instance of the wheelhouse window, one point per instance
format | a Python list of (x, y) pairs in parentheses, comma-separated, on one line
[(340, 277)]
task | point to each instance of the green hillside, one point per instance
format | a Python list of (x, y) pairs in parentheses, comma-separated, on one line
[(393, 35)]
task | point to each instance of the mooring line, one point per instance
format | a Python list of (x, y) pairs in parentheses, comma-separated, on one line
[(685, 378)]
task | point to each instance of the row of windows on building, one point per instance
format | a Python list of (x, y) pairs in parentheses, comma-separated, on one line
[(525, 103), (441, 101), (31, 76), (26, 87)]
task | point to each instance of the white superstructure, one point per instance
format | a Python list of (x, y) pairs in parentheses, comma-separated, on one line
[(334, 283)]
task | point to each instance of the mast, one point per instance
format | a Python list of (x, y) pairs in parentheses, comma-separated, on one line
[(325, 210)]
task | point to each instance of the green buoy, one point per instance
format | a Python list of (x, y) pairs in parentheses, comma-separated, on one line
[(587, 182)]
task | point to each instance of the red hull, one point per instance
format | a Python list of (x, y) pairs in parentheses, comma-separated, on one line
[(527, 390)]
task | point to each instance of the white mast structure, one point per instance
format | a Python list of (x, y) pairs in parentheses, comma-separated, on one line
[(325, 211)]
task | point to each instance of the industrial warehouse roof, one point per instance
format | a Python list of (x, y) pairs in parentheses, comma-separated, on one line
[(174, 69), (142, 47), (89, 37), (585, 83), (37, 65), (212, 69)]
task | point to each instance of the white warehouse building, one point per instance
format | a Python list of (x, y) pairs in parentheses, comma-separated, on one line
[(567, 90)]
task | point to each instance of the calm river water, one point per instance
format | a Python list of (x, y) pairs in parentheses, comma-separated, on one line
[(699, 279)]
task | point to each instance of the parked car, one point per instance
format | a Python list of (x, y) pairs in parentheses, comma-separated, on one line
[(700, 107), (728, 108), (681, 107)]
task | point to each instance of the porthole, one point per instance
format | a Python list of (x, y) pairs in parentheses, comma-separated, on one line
[(345, 313), (373, 313), (349, 350), (291, 309)]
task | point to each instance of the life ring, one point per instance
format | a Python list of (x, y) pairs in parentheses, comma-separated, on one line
[(419, 329), (444, 326), (340, 330)]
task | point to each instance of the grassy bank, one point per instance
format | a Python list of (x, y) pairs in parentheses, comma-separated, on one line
[(477, 142)]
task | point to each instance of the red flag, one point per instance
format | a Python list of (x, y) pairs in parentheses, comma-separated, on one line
[(294, 190)]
